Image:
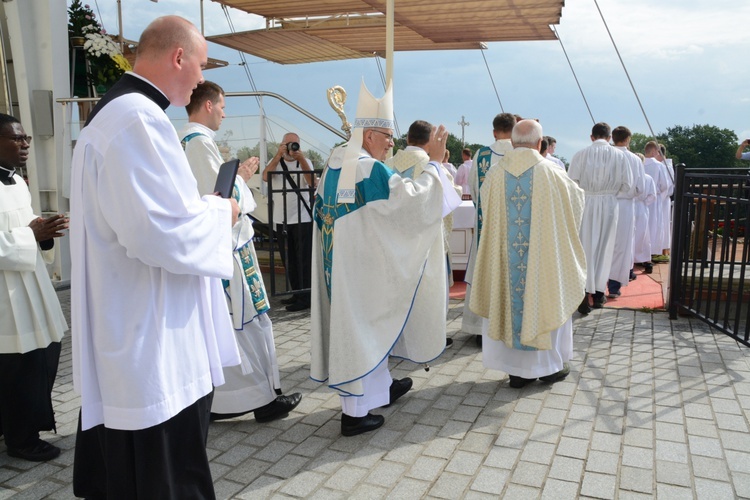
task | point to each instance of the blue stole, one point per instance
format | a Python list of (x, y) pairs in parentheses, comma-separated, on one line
[(484, 162), (518, 221), (250, 270), (326, 210)]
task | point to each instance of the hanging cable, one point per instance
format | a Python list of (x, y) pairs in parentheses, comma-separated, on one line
[(244, 64), (625, 69), (481, 51), (382, 79), (574, 73)]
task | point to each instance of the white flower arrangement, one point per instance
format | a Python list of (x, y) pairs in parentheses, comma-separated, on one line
[(99, 44)]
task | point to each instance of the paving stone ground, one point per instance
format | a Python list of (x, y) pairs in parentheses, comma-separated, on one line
[(652, 408)]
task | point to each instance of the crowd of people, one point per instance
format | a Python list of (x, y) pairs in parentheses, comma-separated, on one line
[(169, 308)]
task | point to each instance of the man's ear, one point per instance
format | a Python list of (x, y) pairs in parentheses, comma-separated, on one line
[(208, 105), (177, 56)]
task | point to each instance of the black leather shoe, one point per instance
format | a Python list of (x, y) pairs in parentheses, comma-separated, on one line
[(399, 388), (648, 268), (351, 426), (289, 300), (584, 308), (226, 416), (557, 376), (297, 306), (278, 408), (40, 452), (599, 301), (448, 343), (518, 382), (478, 340)]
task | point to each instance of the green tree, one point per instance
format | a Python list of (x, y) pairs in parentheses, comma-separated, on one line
[(701, 146), (453, 144), (638, 141)]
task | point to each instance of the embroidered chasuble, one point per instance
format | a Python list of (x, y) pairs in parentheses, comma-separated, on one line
[(378, 284), (530, 268), (410, 163), (484, 159)]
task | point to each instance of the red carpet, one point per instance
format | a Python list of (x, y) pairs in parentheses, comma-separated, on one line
[(644, 292), (458, 290)]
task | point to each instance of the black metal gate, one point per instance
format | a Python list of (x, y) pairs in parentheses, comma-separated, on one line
[(709, 270), (279, 231)]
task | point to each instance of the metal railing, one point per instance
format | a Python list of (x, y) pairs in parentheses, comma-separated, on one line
[(291, 228), (710, 265)]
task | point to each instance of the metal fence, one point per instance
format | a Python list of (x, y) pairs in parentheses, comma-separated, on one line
[(709, 267), (290, 234)]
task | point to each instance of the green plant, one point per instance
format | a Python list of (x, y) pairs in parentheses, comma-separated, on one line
[(80, 17), (105, 61)]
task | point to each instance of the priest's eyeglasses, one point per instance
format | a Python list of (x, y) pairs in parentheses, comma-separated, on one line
[(19, 139), (389, 137)]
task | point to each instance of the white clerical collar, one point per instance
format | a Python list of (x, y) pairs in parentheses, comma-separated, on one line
[(414, 148), (147, 81), (203, 129)]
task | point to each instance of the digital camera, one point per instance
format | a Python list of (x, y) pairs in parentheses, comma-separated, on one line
[(292, 146)]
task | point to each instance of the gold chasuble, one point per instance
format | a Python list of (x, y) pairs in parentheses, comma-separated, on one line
[(531, 268)]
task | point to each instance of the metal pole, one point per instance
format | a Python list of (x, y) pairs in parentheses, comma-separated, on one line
[(119, 24), (679, 252), (389, 30)]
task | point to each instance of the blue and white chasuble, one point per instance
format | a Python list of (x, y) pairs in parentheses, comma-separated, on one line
[(530, 268), (378, 278)]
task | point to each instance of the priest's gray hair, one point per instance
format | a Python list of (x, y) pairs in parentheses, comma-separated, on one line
[(526, 134)]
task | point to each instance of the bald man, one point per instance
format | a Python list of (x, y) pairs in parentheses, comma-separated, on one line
[(151, 321)]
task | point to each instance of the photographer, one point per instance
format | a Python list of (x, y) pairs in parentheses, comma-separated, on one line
[(297, 204), (741, 154)]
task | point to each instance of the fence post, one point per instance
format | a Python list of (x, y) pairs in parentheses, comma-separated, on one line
[(679, 227)]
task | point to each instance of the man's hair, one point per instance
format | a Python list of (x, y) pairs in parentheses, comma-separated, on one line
[(620, 134), (206, 91), (419, 133), (663, 149), (526, 134), (551, 140), (7, 120), (545, 145), (504, 122), (651, 147), (466, 151), (601, 131), (165, 34)]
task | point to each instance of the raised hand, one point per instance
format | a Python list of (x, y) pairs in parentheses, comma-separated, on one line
[(51, 227)]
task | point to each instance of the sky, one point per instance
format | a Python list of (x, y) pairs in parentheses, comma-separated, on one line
[(686, 59)]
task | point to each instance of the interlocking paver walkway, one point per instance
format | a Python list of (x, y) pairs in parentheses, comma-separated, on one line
[(652, 408)]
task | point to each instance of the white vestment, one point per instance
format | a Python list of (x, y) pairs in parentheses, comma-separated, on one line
[(30, 314), (656, 216), (530, 269), (602, 171), (642, 245), (557, 161), (470, 322), (622, 255), (463, 176), (252, 384), (378, 276), (529, 364), (151, 325), (410, 163), (666, 206)]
